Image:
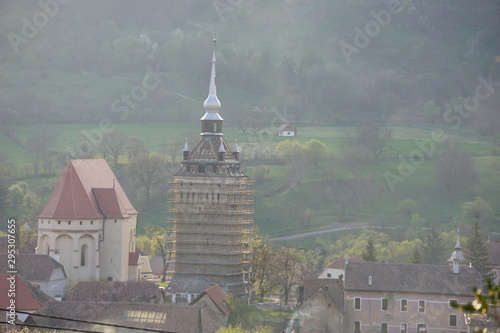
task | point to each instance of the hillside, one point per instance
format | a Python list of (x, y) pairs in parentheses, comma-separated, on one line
[(323, 66)]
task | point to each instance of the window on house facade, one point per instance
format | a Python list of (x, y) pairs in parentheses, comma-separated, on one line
[(453, 320), (404, 305), (421, 306), (384, 304), (384, 327), (453, 302), (83, 255), (357, 303), (328, 275), (357, 327), (403, 328), (421, 328)]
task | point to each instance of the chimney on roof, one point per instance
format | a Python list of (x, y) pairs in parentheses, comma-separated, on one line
[(370, 280), (56, 255), (346, 260)]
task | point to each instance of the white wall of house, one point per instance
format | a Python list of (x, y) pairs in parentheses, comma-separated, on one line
[(89, 250), (286, 133), (331, 273)]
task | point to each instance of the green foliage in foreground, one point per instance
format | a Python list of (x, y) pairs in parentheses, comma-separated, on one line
[(487, 302), (239, 329)]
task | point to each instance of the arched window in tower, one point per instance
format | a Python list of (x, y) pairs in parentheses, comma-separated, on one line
[(83, 255)]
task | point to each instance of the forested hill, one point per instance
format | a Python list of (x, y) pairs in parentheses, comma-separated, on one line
[(339, 61)]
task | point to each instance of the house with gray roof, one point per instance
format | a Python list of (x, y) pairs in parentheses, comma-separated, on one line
[(41, 270), (407, 298), (116, 291)]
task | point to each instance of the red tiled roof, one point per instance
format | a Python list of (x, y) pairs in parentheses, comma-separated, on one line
[(74, 196), (25, 301), (109, 203), (219, 297), (133, 258), (340, 263)]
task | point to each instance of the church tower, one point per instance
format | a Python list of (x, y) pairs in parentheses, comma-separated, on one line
[(211, 206)]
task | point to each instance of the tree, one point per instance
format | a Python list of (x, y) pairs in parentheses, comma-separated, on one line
[(316, 150), (287, 269), (32, 202), (294, 154), (416, 256), (375, 139), (485, 302), (4, 201), (239, 329), (160, 243), (476, 253), (145, 244), (455, 170), (407, 206), (433, 248), (16, 194), (291, 150), (173, 149), (370, 253), (146, 170), (355, 158), (262, 268), (136, 147), (114, 144), (38, 145), (477, 210)]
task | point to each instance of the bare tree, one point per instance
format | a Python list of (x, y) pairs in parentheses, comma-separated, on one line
[(173, 150), (288, 269), (146, 170), (136, 147), (114, 144), (375, 138), (38, 145)]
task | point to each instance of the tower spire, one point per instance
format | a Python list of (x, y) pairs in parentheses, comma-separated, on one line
[(212, 103)]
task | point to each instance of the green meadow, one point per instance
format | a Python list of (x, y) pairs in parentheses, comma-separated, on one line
[(279, 210)]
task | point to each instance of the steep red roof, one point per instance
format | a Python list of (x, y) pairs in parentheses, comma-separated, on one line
[(87, 189), (133, 258), (218, 296), (340, 263), (25, 301), (109, 203)]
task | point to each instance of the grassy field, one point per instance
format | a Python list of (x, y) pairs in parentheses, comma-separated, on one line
[(278, 213)]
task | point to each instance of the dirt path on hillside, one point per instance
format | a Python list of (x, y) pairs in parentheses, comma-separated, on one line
[(361, 225)]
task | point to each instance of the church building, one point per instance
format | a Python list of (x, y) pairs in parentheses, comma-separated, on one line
[(89, 225), (211, 206)]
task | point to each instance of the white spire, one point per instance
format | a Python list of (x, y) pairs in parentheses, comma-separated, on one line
[(221, 148), (212, 103), (236, 148), (457, 253), (186, 146)]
